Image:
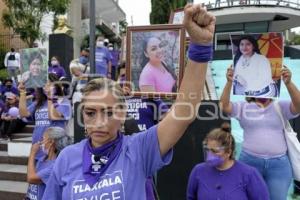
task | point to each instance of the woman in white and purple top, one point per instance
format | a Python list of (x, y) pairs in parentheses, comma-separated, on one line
[(38, 172), (109, 165), (264, 145), (221, 176)]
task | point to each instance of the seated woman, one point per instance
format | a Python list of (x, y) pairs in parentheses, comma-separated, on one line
[(221, 176), (54, 140), (11, 121)]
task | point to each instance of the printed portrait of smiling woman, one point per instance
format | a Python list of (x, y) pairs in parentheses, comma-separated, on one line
[(156, 75), (252, 70)]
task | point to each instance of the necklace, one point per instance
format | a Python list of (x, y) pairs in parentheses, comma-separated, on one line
[(245, 61)]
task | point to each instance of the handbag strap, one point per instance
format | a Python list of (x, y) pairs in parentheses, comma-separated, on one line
[(286, 123)]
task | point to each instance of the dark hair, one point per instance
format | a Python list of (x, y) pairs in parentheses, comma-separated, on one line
[(7, 80), (35, 55), (56, 57), (224, 137), (145, 60), (122, 65), (40, 97), (250, 99), (58, 87), (12, 50), (252, 40)]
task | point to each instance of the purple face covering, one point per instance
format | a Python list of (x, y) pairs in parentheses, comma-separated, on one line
[(97, 160), (213, 160)]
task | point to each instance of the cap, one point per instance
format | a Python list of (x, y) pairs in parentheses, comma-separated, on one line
[(106, 40)]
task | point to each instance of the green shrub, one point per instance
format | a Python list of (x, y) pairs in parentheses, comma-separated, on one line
[(3, 74)]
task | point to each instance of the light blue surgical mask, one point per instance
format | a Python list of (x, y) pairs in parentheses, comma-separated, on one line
[(44, 150)]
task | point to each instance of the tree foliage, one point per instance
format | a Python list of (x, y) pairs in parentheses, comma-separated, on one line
[(161, 10), (296, 40), (24, 16)]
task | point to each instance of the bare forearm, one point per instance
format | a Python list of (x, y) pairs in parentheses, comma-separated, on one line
[(22, 105), (32, 176), (53, 113), (294, 94), (185, 109), (225, 97), (190, 93)]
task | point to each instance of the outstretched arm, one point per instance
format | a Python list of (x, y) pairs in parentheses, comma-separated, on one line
[(292, 89), (200, 25)]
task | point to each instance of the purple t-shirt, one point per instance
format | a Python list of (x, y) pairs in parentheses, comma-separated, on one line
[(42, 121), (240, 182), (102, 57), (44, 169), (263, 129), (124, 179), (146, 112), (162, 81), (115, 54), (58, 70)]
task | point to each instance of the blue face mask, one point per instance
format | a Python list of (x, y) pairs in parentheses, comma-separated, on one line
[(213, 160), (83, 60)]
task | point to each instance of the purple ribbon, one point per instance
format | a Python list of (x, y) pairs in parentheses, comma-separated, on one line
[(97, 160), (200, 53)]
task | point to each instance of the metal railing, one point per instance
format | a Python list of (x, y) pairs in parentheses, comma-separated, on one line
[(237, 3)]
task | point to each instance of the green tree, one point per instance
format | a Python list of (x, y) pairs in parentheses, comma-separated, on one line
[(24, 16), (161, 10), (296, 40)]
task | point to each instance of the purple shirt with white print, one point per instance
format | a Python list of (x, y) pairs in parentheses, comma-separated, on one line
[(124, 179), (42, 121), (263, 129), (44, 169)]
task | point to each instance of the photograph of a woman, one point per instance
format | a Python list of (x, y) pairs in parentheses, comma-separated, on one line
[(156, 76), (252, 70), (154, 57), (34, 67)]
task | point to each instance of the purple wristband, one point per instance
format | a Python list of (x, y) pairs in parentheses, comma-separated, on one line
[(200, 53)]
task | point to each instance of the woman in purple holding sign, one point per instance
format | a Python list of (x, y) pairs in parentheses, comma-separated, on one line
[(38, 172), (50, 108), (264, 146), (109, 165)]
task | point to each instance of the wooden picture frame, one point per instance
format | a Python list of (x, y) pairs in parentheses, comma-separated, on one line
[(176, 17), (160, 77)]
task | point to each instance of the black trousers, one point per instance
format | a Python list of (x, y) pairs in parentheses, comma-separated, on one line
[(11, 126)]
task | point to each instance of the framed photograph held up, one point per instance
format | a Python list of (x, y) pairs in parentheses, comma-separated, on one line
[(34, 67), (155, 59), (257, 61)]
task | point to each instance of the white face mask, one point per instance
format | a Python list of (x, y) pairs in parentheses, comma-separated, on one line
[(54, 62), (100, 43), (110, 48), (44, 150)]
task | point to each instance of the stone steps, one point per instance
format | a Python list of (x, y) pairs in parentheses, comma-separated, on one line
[(12, 190), (6, 159), (13, 172), (13, 164)]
